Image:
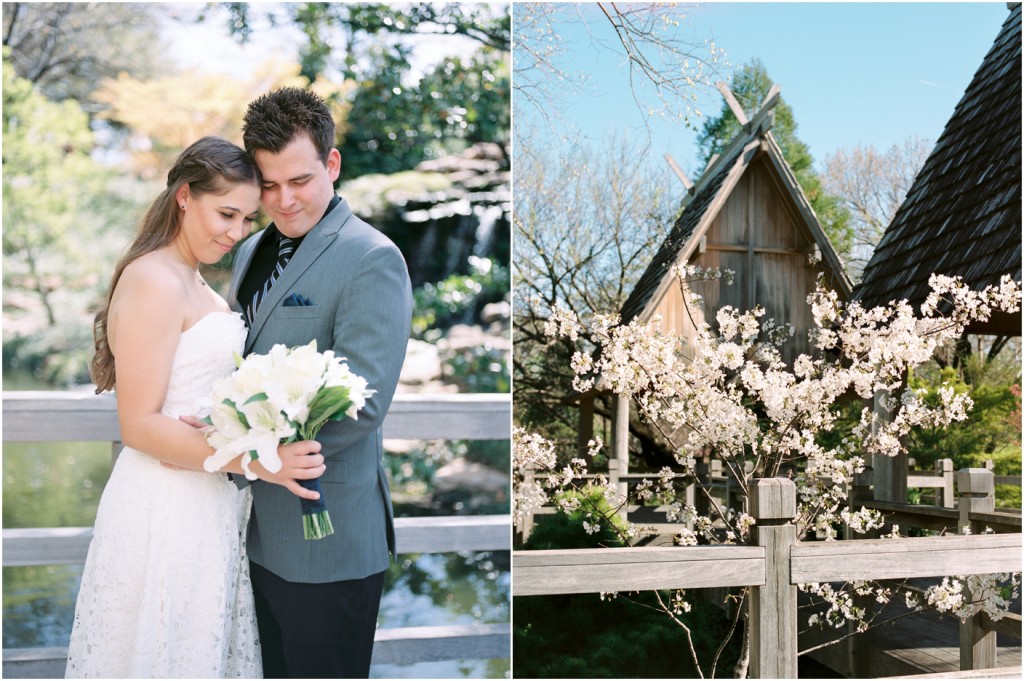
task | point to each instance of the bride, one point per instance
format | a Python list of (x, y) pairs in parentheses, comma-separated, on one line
[(166, 592)]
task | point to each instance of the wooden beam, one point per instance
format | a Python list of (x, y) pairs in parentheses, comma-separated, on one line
[(770, 99), (998, 673), (408, 645), (679, 172), (733, 103), (539, 573), (737, 248), (431, 534), (71, 416), (868, 559), (401, 645)]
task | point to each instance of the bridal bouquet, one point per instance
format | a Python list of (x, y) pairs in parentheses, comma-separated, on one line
[(283, 396)]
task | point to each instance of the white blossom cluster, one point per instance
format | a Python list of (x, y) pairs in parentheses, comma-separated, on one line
[(841, 607), (530, 452), (729, 392)]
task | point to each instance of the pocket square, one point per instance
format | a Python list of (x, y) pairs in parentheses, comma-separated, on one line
[(296, 300)]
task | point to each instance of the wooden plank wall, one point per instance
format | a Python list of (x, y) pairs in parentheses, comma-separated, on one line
[(758, 236)]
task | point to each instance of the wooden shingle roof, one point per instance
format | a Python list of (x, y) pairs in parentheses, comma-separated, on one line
[(962, 216), (668, 254)]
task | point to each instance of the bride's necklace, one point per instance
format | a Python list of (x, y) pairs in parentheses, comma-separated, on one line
[(194, 270)]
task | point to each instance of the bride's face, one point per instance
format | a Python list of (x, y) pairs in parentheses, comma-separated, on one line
[(213, 223)]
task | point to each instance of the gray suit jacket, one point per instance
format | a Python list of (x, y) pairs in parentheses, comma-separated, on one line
[(358, 283)]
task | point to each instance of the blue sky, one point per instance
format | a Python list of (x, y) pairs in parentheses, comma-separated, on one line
[(854, 73)]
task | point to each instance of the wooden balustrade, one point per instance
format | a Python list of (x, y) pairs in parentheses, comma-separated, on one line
[(31, 416), (776, 563)]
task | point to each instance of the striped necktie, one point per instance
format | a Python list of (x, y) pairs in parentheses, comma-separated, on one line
[(285, 249)]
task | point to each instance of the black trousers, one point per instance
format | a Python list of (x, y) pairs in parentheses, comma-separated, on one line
[(316, 631)]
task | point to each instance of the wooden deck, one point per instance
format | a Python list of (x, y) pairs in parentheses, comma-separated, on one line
[(929, 643), (921, 644)]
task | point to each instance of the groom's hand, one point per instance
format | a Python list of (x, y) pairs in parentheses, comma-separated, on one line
[(299, 461)]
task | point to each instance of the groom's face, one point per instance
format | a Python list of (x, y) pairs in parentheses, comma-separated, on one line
[(297, 185)]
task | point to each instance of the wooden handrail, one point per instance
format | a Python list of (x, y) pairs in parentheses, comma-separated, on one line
[(775, 565), (435, 534), (403, 645), (74, 416), (635, 569)]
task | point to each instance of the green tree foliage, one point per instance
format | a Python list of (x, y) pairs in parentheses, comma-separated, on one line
[(751, 83), (392, 126), (992, 430), (56, 250), (398, 116), (362, 27)]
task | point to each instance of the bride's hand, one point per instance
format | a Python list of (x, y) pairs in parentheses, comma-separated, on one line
[(299, 461)]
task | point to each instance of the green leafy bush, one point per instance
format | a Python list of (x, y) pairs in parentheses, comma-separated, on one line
[(459, 298)]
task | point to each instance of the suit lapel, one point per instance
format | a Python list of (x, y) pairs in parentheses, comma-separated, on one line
[(313, 245), (244, 256)]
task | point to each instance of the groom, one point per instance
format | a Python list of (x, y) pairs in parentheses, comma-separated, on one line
[(319, 272)]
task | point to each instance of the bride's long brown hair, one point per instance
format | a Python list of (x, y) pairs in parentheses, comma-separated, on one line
[(211, 165)]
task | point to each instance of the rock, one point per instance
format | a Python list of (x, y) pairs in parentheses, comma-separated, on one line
[(463, 337), (422, 364), (496, 312)]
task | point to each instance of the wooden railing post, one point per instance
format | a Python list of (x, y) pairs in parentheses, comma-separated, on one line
[(944, 467), (976, 493), (585, 428), (620, 430), (690, 493), (890, 472), (525, 522), (773, 607)]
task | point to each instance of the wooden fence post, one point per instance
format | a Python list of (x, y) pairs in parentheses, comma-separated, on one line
[(620, 430), (691, 493), (525, 524), (585, 430), (858, 649), (773, 607), (615, 482), (890, 472), (944, 467), (976, 493)]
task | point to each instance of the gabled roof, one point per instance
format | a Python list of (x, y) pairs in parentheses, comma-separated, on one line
[(962, 216), (706, 198)]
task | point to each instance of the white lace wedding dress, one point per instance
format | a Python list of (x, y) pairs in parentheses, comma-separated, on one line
[(166, 589)]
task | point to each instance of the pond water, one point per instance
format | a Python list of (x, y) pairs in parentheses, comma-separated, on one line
[(59, 485)]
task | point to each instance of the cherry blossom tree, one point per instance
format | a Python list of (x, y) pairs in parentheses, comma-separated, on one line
[(732, 395)]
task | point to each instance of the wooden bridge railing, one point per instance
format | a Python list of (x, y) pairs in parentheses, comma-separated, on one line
[(774, 564), (719, 480), (31, 416)]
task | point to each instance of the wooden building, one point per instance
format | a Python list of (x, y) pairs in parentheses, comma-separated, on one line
[(962, 216), (747, 214)]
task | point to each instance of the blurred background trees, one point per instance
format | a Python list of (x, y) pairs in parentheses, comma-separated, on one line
[(96, 107)]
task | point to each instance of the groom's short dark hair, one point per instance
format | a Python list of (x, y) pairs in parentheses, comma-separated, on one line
[(274, 119)]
